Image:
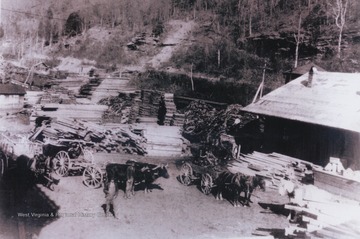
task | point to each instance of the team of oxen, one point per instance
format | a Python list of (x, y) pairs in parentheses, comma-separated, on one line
[(234, 184), (127, 176), (133, 173)]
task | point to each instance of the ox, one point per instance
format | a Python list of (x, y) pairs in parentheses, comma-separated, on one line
[(235, 184), (249, 184), (232, 184), (134, 173)]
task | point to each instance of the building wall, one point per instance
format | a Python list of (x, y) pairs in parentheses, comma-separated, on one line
[(313, 143), (11, 103)]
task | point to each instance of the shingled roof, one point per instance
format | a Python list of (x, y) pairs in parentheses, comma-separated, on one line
[(11, 89), (332, 99)]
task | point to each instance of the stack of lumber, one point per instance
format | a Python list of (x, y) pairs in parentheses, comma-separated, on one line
[(323, 215), (110, 87), (57, 95), (178, 120), (163, 140), (150, 102), (33, 97), (272, 166), (170, 108), (134, 110), (346, 184), (71, 83), (73, 111)]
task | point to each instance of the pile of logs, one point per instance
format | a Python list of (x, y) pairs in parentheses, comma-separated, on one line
[(123, 108), (203, 122), (116, 139)]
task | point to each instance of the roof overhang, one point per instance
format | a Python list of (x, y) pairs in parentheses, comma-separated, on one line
[(333, 100)]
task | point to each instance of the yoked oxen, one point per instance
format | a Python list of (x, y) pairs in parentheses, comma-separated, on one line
[(230, 183), (134, 173), (236, 183)]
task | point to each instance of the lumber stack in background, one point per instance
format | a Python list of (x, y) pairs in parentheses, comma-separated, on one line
[(163, 140), (110, 87)]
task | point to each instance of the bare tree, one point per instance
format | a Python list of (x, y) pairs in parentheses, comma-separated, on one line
[(250, 17), (298, 39), (339, 10)]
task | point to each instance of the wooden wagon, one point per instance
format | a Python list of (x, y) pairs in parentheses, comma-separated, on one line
[(190, 172), (75, 155)]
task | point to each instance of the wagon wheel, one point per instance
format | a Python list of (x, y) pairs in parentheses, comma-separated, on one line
[(92, 177), (88, 156), (186, 174), (206, 183), (62, 163)]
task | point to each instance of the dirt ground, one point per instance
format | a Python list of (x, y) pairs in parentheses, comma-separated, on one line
[(177, 211)]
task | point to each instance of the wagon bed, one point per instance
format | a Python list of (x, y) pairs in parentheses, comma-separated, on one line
[(189, 172)]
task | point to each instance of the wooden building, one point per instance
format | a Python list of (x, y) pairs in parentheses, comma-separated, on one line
[(314, 117), (11, 98)]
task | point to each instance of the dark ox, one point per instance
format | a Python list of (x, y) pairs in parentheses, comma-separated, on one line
[(143, 173), (249, 184), (235, 184), (231, 183)]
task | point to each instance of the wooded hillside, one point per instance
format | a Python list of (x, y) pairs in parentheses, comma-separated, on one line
[(234, 37)]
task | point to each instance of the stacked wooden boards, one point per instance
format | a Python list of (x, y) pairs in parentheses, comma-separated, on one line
[(273, 167)]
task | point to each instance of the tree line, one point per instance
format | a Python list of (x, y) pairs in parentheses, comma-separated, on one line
[(235, 20)]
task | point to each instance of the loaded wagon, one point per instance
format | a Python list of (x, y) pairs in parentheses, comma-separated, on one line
[(194, 170), (65, 155), (75, 156)]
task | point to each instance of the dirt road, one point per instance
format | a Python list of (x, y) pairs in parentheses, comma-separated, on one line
[(179, 33), (178, 211)]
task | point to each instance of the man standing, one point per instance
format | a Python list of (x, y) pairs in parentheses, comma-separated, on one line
[(109, 198), (130, 173)]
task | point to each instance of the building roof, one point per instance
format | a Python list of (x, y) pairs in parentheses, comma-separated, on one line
[(301, 70), (333, 100), (11, 89)]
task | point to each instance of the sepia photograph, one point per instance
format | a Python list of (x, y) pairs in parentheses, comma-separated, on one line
[(161, 119)]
